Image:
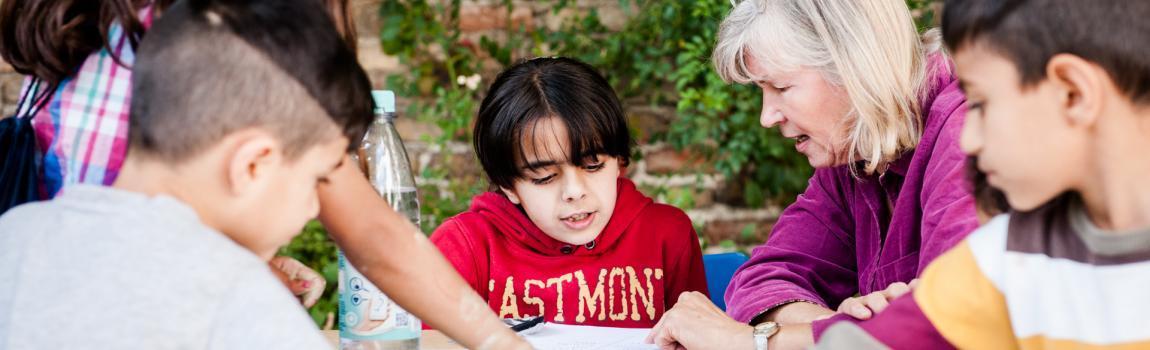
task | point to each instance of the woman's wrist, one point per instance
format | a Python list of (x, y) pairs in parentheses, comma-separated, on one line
[(794, 312)]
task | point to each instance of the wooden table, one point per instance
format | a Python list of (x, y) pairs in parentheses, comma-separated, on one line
[(432, 340)]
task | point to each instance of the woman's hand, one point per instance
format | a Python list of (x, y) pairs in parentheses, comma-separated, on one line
[(302, 281), (867, 306), (696, 323)]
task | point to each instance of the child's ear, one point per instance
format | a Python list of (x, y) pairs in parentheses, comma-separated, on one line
[(1082, 84), (251, 160), (514, 198)]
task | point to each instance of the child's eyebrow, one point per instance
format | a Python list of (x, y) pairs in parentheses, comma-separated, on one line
[(539, 164), (337, 164)]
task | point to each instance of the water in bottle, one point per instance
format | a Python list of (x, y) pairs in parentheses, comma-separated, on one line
[(368, 319)]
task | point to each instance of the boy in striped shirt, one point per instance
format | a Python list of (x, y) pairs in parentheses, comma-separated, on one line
[(1058, 94)]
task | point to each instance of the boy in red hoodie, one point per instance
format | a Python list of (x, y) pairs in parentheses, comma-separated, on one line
[(562, 234)]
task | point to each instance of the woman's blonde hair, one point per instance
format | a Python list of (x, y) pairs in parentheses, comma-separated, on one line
[(871, 48)]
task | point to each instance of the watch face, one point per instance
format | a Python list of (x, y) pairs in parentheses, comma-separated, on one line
[(766, 328)]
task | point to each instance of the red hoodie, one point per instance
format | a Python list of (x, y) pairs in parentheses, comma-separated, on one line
[(627, 277)]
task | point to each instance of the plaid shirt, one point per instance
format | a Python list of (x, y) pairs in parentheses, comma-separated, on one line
[(83, 129)]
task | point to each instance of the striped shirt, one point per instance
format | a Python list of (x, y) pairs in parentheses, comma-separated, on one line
[(82, 131), (1046, 279)]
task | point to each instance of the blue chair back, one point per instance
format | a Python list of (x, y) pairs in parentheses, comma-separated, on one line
[(720, 267)]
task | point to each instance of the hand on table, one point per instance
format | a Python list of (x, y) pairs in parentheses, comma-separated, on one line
[(303, 282), (865, 307), (696, 323)]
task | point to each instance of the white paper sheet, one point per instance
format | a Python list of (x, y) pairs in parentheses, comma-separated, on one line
[(555, 336)]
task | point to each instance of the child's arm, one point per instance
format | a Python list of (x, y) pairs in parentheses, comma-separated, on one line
[(399, 259), (954, 305)]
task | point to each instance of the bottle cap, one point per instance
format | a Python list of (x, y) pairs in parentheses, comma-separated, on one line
[(384, 101)]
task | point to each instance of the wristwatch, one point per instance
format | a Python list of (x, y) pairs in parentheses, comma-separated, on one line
[(764, 331)]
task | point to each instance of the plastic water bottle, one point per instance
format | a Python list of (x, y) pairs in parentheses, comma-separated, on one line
[(368, 319)]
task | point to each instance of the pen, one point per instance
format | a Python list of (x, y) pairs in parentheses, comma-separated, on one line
[(520, 325)]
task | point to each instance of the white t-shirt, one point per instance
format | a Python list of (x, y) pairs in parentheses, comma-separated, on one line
[(101, 268)]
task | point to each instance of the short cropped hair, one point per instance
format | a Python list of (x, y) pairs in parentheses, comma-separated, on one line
[(871, 48), (1110, 33), (208, 68), (533, 90)]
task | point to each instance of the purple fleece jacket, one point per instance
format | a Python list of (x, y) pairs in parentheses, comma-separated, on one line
[(840, 237)]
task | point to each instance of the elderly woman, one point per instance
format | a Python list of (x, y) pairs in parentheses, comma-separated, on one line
[(875, 109)]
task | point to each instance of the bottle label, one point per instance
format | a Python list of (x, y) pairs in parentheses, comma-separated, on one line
[(365, 313)]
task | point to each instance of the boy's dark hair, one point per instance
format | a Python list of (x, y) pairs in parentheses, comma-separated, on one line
[(987, 199), (1109, 33), (211, 67), (541, 88)]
